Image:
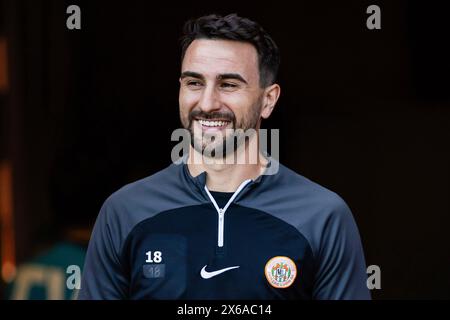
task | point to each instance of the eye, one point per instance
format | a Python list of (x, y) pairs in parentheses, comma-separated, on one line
[(193, 83), (229, 85)]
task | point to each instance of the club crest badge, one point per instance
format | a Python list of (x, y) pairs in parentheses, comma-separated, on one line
[(280, 272)]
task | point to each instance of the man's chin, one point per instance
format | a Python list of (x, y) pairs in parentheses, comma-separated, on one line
[(210, 150)]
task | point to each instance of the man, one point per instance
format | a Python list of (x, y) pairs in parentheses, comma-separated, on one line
[(213, 230)]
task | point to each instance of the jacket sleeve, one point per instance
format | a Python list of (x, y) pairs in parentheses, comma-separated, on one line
[(341, 269), (103, 275)]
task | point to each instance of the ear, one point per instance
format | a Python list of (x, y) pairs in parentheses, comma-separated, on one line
[(270, 98)]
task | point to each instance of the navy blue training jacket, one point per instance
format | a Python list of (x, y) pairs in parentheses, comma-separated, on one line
[(281, 236)]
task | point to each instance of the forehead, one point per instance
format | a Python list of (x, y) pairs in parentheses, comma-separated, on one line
[(212, 57)]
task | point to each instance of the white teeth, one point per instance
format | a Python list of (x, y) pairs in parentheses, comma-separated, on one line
[(213, 123)]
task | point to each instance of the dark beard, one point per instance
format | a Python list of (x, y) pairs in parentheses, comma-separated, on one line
[(228, 145)]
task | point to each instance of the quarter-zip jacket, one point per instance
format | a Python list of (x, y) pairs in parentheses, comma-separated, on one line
[(165, 237)]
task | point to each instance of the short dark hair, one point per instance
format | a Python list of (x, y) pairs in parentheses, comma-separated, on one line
[(233, 27)]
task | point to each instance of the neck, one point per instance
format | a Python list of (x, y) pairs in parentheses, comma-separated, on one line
[(223, 176)]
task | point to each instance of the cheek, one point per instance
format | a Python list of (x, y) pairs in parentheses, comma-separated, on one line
[(241, 106), (187, 100)]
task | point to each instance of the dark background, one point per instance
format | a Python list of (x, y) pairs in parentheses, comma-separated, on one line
[(365, 113)]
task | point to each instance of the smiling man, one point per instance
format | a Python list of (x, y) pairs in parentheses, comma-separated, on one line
[(222, 95), (213, 229)]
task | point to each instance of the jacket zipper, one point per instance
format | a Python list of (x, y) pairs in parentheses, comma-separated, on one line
[(221, 211)]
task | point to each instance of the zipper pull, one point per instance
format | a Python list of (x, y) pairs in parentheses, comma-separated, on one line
[(221, 214)]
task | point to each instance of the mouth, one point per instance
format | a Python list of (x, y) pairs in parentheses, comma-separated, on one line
[(213, 125)]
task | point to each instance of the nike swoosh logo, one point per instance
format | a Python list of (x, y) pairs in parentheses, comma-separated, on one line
[(207, 275)]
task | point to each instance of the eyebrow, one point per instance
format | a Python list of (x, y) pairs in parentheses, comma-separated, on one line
[(192, 74), (234, 76), (222, 76)]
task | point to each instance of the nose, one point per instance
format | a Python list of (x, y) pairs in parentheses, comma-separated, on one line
[(209, 100)]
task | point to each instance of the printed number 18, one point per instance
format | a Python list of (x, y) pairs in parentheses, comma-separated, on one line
[(156, 258)]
